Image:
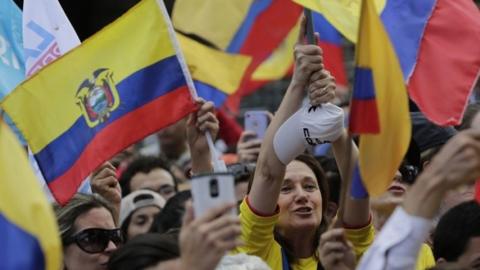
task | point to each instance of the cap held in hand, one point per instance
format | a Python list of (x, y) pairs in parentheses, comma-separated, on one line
[(309, 126)]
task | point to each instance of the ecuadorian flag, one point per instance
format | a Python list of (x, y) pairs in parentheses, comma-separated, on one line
[(379, 109), (29, 235), (120, 85)]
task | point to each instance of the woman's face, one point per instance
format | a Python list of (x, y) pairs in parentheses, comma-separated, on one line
[(141, 221), (74, 257), (300, 200)]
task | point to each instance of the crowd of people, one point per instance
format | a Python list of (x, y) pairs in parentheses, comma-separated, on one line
[(140, 214)]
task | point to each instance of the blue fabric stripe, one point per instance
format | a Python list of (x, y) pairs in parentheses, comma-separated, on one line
[(134, 91), (358, 190), (256, 8), (19, 249), (327, 32), (210, 93), (405, 22), (364, 87)]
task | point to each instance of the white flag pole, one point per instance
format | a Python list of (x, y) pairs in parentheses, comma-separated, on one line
[(218, 164)]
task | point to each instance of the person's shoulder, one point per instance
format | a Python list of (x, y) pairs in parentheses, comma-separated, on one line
[(425, 257)]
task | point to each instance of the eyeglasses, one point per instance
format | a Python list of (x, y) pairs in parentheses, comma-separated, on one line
[(95, 240)]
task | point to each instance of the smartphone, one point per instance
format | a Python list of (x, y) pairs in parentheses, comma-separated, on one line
[(256, 121), (212, 190)]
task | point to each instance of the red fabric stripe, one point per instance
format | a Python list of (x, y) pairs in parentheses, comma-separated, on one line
[(364, 117), (230, 131), (270, 29), (333, 59), (129, 129), (448, 61)]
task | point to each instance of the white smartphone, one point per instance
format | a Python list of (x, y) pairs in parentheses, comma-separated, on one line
[(212, 190), (256, 121)]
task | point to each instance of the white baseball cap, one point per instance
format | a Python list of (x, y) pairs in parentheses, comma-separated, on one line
[(138, 199), (309, 126)]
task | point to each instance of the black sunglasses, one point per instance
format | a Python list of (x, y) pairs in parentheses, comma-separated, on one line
[(95, 240), (409, 173)]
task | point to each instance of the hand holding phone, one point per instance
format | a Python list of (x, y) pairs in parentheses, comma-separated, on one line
[(212, 190), (257, 121)]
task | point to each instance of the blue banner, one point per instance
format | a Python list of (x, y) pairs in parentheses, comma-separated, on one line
[(12, 64)]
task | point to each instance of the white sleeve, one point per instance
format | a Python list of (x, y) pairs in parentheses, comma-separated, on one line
[(288, 141), (398, 244)]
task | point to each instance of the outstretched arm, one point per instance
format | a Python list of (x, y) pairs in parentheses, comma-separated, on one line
[(270, 170), (458, 163), (357, 211)]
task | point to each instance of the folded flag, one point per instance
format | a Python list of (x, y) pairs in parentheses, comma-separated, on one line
[(28, 228), (379, 109), (432, 38), (120, 85)]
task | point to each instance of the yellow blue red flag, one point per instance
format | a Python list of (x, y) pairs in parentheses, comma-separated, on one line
[(379, 109), (120, 85), (421, 32), (29, 235), (248, 27)]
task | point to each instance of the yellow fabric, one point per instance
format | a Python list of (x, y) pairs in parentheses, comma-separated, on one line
[(214, 20), (425, 258), (344, 15), (221, 70), (361, 238), (22, 201), (47, 100), (257, 235), (375, 53)]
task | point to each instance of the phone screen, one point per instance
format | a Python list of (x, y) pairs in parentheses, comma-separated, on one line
[(256, 121)]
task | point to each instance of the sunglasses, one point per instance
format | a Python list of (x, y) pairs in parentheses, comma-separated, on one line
[(409, 173), (95, 240)]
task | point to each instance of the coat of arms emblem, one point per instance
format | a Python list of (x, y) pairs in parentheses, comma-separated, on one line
[(98, 97)]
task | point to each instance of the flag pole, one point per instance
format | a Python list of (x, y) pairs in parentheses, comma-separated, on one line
[(218, 164), (345, 184), (310, 33)]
